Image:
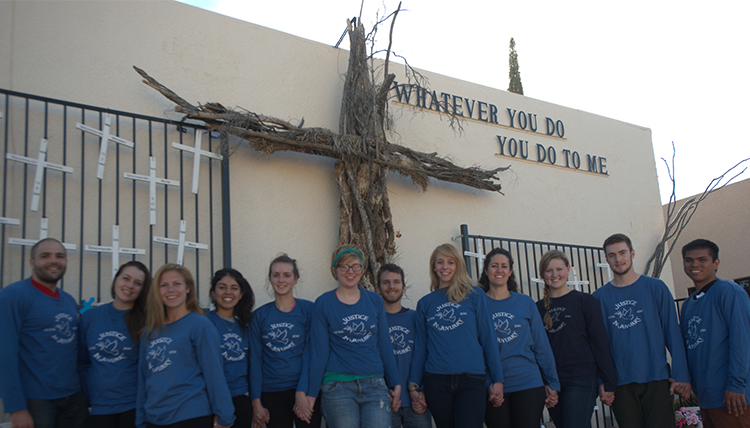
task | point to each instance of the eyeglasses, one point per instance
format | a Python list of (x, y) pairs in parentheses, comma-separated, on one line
[(345, 268)]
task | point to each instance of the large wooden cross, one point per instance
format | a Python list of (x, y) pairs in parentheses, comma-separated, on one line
[(361, 149)]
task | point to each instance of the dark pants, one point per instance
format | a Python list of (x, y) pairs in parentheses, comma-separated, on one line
[(280, 405), (575, 404), (521, 409), (644, 405), (66, 412), (720, 418), (115, 420), (243, 412), (202, 422), (455, 400)]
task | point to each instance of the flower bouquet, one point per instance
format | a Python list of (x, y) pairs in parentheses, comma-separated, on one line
[(688, 417)]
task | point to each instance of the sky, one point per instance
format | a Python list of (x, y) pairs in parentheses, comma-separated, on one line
[(679, 68)]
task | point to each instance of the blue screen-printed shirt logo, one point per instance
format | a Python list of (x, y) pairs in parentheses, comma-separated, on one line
[(356, 328), (626, 314), (282, 336), (111, 347), (158, 353), (232, 348), (64, 330), (446, 317), (401, 345), (504, 327), (694, 333)]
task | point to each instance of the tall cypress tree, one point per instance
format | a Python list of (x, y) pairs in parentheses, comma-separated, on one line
[(515, 75)]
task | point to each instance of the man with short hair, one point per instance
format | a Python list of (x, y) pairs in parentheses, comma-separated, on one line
[(716, 327), (641, 320), (39, 346), (402, 328)]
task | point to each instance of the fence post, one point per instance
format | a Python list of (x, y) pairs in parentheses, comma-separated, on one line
[(465, 246)]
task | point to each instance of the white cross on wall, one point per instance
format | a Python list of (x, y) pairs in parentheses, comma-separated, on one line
[(13, 221), (115, 249), (43, 230), (181, 243), (105, 136), (41, 163), (477, 255), (197, 153), (152, 181)]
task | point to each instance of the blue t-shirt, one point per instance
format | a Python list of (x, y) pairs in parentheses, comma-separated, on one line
[(524, 348), (108, 361), (279, 355), (455, 338), (234, 344), (180, 374), (716, 328), (579, 339), (641, 321), (38, 345), (402, 329), (350, 339)]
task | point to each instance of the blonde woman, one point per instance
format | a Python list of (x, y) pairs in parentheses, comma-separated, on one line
[(181, 379), (576, 332), (455, 346)]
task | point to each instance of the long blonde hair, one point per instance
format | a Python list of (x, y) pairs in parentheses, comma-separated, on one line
[(461, 284), (543, 264), (155, 311)]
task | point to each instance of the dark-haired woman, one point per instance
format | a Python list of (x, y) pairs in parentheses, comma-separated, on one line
[(576, 331), (530, 376), (108, 358), (181, 383), (280, 352), (234, 300)]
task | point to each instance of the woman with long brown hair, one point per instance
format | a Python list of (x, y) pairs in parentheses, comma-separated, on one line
[(109, 340), (578, 338)]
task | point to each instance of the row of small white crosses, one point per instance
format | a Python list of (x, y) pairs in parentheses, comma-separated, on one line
[(115, 249), (479, 255), (41, 163)]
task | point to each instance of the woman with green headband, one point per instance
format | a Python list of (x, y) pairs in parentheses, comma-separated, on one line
[(352, 357)]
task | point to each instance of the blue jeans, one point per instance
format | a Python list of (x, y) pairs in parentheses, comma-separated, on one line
[(455, 400), (66, 412), (361, 403), (406, 417), (575, 404)]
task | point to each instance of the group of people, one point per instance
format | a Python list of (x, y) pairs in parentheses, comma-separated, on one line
[(470, 354)]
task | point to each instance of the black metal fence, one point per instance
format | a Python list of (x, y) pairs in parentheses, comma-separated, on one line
[(590, 266), (91, 187)]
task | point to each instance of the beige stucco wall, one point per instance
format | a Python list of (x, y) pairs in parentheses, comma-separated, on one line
[(83, 51), (722, 218)]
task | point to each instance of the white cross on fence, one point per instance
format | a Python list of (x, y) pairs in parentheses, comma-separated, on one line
[(479, 254), (152, 181), (609, 270), (43, 230), (197, 153), (41, 164), (105, 136), (13, 221), (115, 249), (181, 243), (575, 282)]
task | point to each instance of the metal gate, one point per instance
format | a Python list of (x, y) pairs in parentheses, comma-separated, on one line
[(112, 186)]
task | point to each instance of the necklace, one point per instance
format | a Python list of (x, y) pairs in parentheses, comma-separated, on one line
[(228, 323)]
